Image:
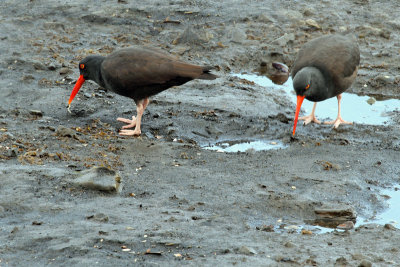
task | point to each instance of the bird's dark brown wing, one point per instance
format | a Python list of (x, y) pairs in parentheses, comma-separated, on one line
[(139, 72), (337, 57)]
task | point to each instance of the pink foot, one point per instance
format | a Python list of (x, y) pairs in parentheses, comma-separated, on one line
[(131, 123)]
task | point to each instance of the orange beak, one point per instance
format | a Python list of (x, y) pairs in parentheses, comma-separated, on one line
[(296, 116), (77, 86)]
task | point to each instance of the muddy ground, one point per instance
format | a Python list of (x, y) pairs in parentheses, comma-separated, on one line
[(181, 204)]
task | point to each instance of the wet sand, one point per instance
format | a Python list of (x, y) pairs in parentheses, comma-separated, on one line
[(181, 204)]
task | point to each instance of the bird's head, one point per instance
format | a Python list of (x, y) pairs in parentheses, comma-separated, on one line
[(88, 69), (304, 86)]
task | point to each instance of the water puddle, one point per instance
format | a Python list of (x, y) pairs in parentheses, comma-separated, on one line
[(233, 146), (391, 214), (359, 109)]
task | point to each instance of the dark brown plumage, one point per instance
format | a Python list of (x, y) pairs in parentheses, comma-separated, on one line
[(325, 67), (138, 73)]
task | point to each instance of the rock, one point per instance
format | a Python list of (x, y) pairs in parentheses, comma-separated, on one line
[(389, 226), (309, 11), (366, 30), (51, 66), (63, 131), (284, 39), (289, 244), (371, 100), (36, 112), (236, 35), (365, 263), (266, 18), (246, 250), (385, 79), (64, 71), (346, 225), (313, 24), (180, 50), (341, 262), (188, 36), (12, 153), (99, 217), (38, 65), (101, 179), (27, 78)]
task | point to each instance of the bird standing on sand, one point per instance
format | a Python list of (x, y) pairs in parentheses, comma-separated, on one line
[(325, 67), (137, 73)]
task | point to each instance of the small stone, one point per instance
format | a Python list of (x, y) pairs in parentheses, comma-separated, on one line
[(341, 262), (188, 36), (64, 71), (385, 79), (284, 39), (28, 77), (237, 35), (101, 179), (51, 66), (38, 65), (98, 217), (246, 250), (63, 131), (36, 112), (365, 263), (389, 226), (87, 95), (289, 244), (312, 23), (12, 153), (371, 100)]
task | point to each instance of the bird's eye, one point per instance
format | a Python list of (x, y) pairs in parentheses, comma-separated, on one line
[(82, 66), (308, 86)]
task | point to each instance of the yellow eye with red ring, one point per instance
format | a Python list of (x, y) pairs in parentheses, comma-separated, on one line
[(308, 86), (82, 66)]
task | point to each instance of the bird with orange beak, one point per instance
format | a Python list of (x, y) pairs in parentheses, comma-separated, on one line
[(137, 73), (325, 67)]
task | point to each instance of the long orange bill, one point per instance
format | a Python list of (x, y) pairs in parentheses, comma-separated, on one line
[(296, 117), (77, 86)]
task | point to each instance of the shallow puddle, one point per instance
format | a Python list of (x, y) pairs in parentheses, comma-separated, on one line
[(353, 107), (245, 145), (391, 214)]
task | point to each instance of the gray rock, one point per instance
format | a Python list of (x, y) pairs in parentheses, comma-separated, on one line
[(365, 263), (246, 250), (12, 153), (64, 71), (38, 65), (385, 79), (101, 179), (36, 112), (188, 36), (98, 217), (389, 226), (284, 39), (63, 131), (237, 35)]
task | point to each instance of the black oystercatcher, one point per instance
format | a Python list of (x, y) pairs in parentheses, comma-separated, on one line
[(137, 73), (325, 67)]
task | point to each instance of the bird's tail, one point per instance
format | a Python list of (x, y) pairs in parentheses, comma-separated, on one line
[(206, 75)]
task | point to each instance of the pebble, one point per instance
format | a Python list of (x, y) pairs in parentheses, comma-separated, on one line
[(36, 112), (365, 263), (63, 131), (247, 251), (64, 71), (389, 226), (188, 36), (289, 244), (312, 23), (51, 66), (99, 217), (38, 65), (385, 79), (101, 179), (284, 39), (237, 35), (12, 153)]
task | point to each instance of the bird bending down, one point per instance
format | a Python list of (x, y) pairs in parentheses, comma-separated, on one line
[(325, 67), (137, 73)]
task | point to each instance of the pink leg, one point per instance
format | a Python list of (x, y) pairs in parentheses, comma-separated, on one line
[(140, 107), (339, 119), (311, 117)]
